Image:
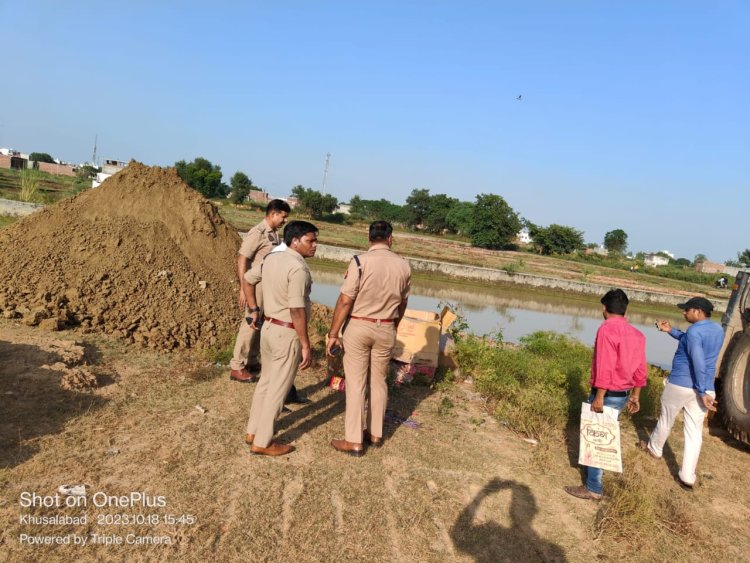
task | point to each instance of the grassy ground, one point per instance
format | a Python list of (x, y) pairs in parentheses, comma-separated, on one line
[(51, 187), (463, 486), (460, 252)]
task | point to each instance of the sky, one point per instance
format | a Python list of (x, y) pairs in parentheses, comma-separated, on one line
[(633, 114)]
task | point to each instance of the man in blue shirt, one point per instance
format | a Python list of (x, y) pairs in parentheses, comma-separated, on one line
[(690, 387)]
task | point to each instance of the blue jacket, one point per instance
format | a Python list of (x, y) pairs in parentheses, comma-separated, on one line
[(694, 363)]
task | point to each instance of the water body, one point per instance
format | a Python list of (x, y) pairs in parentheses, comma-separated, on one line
[(516, 313)]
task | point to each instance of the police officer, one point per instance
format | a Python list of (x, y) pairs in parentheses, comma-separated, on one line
[(372, 302), (259, 241), (285, 346)]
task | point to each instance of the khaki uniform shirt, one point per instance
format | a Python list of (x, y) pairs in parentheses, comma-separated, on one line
[(385, 282), (286, 283), (258, 242)]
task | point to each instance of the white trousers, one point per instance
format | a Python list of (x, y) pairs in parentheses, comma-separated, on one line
[(673, 400)]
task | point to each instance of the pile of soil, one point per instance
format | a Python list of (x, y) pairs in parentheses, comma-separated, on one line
[(143, 257)]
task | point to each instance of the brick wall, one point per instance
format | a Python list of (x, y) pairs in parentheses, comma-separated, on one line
[(59, 169), (4, 161)]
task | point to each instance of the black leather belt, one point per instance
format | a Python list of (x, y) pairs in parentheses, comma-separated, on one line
[(609, 393)]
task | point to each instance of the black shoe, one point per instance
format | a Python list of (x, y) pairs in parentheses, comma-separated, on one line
[(293, 398), (684, 486)]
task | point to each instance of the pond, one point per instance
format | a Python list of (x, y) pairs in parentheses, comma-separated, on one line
[(517, 312)]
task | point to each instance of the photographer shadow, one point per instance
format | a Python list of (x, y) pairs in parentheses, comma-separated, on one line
[(490, 542)]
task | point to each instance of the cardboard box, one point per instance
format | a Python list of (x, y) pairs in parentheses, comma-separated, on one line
[(417, 342), (419, 336), (421, 315)]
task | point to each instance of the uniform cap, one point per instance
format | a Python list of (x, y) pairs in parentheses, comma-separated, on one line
[(697, 303)]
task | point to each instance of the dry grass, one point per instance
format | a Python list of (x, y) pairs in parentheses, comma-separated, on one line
[(451, 490)]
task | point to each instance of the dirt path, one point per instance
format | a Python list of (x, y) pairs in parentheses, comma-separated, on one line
[(460, 487)]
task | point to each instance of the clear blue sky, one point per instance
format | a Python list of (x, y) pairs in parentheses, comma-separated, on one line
[(634, 113)]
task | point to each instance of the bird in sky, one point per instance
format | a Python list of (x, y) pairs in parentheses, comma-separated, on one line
[(519, 98)]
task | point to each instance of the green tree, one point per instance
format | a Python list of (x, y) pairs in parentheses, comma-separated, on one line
[(373, 210), (556, 239), (87, 172), (744, 257), (494, 223), (241, 186), (313, 202), (682, 262), (41, 157), (616, 241), (418, 207), (698, 257), (436, 220), (460, 217), (202, 176)]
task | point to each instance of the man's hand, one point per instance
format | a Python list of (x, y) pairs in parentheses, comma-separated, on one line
[(255, 316), (634, 405), (709, 402), (664, 326), (306, 358), (242, 300), (333, 342), (597, 405)]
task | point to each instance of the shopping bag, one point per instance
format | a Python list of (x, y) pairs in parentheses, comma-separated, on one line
[(600, 439)]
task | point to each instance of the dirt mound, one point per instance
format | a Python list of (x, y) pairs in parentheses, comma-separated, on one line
[(142, 257)]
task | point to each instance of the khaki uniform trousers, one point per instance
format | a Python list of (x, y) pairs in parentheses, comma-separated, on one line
[(281, 352), (247, 346), (367, 348)]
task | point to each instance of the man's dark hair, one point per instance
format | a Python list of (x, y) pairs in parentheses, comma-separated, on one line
[(380, 230), (297, 229), (615, 302), (277, 205)]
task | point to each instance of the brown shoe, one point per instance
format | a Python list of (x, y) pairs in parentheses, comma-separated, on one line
[(355, 450), (242, 375), (273, 449), (582, 492), (249, 439), (374, 441)]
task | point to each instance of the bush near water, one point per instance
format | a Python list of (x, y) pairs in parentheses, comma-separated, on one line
[(538, 386)]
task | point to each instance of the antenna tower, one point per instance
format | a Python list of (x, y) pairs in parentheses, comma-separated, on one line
[(325, 173), (93, 157)]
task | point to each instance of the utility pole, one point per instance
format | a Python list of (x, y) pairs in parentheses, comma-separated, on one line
[(93, 157), (325, 173)]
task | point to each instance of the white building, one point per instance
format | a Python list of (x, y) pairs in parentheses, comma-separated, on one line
[(524, 237), (654, 260), (109, 168)]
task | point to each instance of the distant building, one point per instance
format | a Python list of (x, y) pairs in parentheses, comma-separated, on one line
[(109, 168), (668, 253), (259, 196), (708, 267), (523, 236), (654, 260), (291, 200), (343, 208), (600, 250), (58, 169)]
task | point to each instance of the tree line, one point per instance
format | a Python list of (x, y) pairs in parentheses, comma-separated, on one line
[(488, 221)]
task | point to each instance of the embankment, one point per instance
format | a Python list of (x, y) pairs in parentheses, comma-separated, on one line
[(489, 275)]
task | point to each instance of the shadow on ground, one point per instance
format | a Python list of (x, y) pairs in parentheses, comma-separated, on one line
[(31, 401), (490, 542)]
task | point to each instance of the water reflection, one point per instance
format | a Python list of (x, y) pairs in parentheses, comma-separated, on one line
[(514, 312)]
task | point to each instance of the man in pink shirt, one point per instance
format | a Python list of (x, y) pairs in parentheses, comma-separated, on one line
[(618, 372)]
